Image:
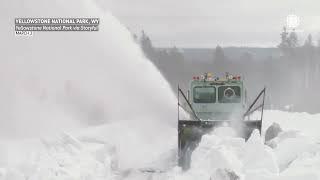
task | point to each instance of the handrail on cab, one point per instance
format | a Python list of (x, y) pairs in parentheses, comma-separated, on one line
[(250, 110), (185, 98)]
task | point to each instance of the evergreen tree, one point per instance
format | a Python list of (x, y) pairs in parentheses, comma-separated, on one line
[(284, 44), (176, 54), (293, 40), (147, 46), (219, 60), (289, 43), (309, 47), (309, 41), (309, 63), (219, 54)]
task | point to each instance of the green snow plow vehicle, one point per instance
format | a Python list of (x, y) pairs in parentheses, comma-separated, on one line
[(212, 102)]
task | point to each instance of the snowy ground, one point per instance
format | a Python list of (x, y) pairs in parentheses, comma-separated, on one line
[(95, 153)]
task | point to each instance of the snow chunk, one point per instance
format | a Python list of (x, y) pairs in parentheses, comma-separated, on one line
[(212, 154), (272, 131), (259, 156), (289, 149)]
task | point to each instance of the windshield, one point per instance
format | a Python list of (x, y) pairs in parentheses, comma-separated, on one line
[(204, 94), (229, 94)]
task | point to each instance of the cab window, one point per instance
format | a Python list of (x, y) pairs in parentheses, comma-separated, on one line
[(204, 94), (229, 94)]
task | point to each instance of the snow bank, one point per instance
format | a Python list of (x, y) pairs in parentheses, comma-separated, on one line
[(307, 164), (135, 149), (291, 148), (303, 122), (293, 155), (64, 157)]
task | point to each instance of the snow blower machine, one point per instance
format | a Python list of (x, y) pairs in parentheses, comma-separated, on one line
[(213, 102)]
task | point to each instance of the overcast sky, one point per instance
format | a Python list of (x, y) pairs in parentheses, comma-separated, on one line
[(206, 23)]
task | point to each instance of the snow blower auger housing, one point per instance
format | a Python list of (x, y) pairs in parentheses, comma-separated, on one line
[(212, 102)]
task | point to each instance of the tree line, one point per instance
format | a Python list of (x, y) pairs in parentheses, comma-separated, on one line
[(292, 78)]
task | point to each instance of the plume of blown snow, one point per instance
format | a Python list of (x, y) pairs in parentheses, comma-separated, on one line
[(56, 80)]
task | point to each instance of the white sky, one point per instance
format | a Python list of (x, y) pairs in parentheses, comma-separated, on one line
[(206, 23)]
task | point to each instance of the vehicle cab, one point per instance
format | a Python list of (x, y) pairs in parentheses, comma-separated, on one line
[(214, 98)]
